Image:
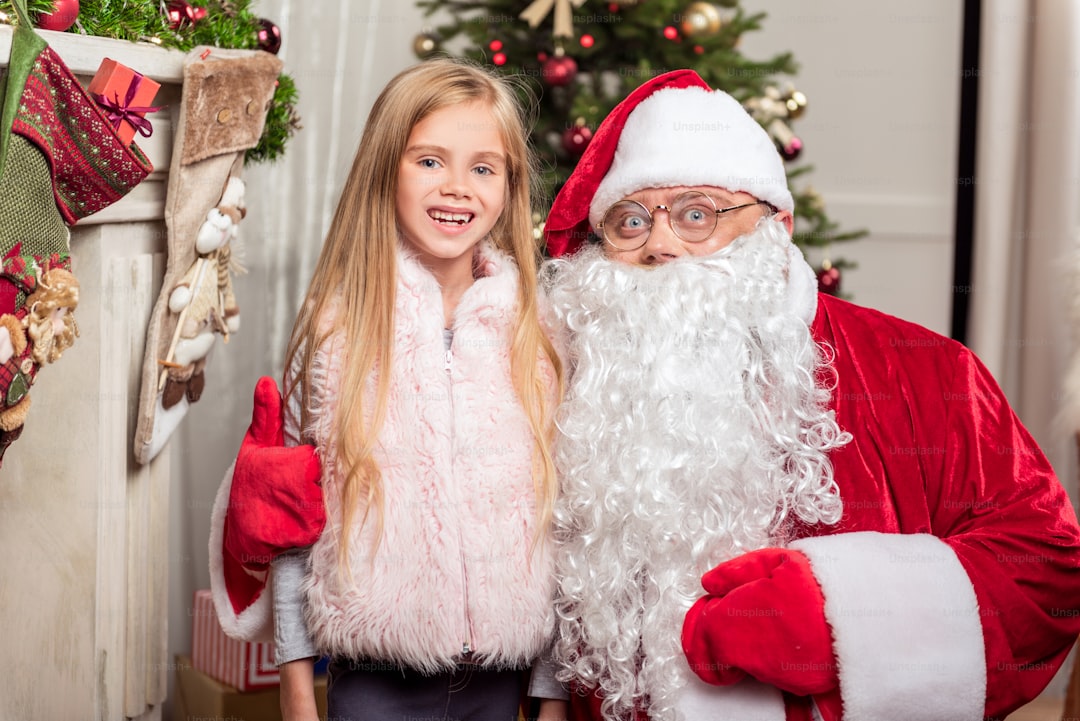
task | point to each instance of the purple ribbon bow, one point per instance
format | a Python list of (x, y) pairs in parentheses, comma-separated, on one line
[(118, 111)]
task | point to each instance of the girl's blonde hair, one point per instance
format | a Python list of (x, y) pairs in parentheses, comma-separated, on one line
[(357, 271)]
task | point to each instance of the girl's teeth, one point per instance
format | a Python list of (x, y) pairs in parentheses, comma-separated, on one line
[(451, 217)]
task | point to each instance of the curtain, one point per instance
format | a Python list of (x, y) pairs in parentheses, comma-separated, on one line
[(340, 53), (1027, 219)]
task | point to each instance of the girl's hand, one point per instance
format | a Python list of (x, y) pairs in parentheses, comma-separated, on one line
[(552, 710), (298, 690)]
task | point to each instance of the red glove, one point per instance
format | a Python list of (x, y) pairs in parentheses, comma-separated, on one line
[(764, 615), (276, 501)]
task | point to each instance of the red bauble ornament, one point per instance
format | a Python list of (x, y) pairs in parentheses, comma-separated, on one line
[(671, 32), (499, 58), (495, 45), (576, 138), (828, 279), (181, 11), (587, 41), (791, 149), (269, 36), (63, 16), (559, 70)]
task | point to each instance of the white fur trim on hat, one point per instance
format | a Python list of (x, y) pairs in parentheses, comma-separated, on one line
[(692, 136)]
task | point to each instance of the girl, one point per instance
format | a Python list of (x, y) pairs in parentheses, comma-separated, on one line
[(419, 370)]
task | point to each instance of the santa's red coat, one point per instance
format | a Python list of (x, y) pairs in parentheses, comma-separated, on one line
[(951, 583)]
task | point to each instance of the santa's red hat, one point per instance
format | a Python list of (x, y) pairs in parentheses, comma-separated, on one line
[(672, 130)]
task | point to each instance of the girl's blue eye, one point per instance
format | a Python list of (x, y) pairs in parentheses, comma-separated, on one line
[(429, 163), (484, 171)]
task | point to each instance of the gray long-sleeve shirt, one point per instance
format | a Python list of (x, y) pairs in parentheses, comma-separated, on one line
[(292, 640)]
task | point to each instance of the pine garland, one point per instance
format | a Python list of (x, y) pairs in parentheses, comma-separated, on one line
[(227, 24)]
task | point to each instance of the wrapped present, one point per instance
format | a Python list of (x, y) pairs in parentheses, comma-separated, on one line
[(126, 98), (197, 697), (243, 665)]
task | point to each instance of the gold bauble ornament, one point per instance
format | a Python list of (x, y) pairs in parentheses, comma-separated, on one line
[(701, 19), (796, 104), (425, 45)]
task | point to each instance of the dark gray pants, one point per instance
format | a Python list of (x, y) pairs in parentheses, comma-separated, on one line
[(380, 691)]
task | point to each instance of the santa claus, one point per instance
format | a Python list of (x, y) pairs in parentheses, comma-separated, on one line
[(775, 504)]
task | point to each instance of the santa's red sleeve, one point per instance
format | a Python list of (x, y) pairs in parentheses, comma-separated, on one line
[(288, 505), (242, 598), (951, 584)]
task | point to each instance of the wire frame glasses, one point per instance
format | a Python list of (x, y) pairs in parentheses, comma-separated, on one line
[(693, 217)]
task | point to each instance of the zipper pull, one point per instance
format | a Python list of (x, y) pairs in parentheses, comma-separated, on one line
[(449, 360), (466, 650)]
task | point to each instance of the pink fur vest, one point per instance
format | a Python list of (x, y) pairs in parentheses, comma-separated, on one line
[(455, 570)]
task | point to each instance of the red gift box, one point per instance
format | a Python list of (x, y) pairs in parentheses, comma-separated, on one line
[(125, 96), (241, 664)]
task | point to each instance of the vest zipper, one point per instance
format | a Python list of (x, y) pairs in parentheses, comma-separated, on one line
[(466, 643)]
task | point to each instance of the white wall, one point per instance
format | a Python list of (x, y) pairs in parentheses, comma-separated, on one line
[(883, 83)]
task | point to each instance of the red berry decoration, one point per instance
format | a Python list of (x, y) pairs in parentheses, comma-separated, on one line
[(268, 36), (495, 45), (181, 12), (63, 16), (559, 70), (576, 138), (499, 58), (791, 149), (587, 41), (828, 279), (671, 33)]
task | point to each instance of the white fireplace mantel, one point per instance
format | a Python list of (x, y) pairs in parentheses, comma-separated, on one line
[(83, 583)]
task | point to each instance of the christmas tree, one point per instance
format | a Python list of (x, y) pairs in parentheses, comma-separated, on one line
[(583, 58)]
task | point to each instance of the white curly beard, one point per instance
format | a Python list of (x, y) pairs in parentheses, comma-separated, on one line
[(692, 431)]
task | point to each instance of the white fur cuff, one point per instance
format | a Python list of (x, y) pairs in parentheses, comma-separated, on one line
[(905, 624), (748, 700), (256, 622)]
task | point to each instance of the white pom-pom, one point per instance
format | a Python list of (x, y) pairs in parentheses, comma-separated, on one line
[(180, 298)]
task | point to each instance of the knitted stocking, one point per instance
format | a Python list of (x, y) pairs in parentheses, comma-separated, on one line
[(60, 160)]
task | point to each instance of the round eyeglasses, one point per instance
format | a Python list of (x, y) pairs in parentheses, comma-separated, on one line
[(693, 217)]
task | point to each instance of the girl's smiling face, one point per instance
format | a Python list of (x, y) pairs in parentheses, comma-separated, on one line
[(451, 184)]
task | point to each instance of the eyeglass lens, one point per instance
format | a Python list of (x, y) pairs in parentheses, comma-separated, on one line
[(692, 217)]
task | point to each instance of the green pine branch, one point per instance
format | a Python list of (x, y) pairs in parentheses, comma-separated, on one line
[(227, 24)]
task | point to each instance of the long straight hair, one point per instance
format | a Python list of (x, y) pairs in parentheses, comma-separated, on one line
[(355, 281)]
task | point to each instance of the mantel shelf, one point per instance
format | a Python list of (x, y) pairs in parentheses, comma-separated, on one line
[(83, 54)]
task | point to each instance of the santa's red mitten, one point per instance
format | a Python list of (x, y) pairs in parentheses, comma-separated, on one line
[(275, 502), (763, 615)]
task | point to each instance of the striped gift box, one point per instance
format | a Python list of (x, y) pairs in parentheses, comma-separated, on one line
[(243, 665)]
